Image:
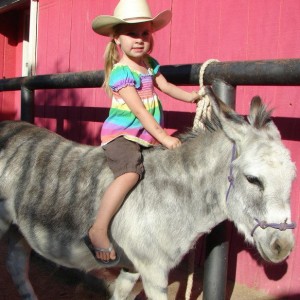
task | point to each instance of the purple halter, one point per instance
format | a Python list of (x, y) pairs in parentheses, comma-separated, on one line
[(230, 177), (280, 226), (262, 224)]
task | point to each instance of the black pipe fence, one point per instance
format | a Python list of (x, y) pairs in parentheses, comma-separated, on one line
[(264, 72), (224, 77)]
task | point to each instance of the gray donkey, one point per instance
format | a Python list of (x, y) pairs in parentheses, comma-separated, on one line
[(50, 189)]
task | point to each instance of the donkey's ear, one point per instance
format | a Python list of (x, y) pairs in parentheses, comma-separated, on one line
[(260, 117), (233, 125), (259, 114)]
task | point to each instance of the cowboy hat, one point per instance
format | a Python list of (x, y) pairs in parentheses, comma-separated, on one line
[(129, 12)]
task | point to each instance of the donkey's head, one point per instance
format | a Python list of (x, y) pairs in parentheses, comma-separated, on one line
[(262, 173)]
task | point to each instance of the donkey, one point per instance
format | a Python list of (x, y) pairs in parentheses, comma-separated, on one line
[(50, 189)]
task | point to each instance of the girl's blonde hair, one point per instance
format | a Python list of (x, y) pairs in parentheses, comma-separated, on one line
[(111, 57)]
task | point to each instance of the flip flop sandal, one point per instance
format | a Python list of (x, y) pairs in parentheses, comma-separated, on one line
[(104, 263)]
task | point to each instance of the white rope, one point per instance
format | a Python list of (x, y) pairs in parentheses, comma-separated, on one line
[(191, 264), (203, 109)]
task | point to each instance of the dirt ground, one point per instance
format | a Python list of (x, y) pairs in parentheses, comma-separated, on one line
[(52, 282)]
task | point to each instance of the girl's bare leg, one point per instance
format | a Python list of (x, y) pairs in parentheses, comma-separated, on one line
[(110, 203)]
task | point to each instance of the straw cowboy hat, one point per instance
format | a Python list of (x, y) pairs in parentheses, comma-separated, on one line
[(128, 12)]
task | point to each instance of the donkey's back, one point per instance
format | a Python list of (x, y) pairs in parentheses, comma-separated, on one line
[(48, 187)]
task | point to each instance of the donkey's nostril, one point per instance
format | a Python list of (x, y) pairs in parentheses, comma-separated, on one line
[(277, 247), (281, 247)]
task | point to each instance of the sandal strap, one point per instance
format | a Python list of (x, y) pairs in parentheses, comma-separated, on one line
[(104, 250)]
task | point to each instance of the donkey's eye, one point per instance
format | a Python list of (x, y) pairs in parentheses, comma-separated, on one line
[(254, 180)]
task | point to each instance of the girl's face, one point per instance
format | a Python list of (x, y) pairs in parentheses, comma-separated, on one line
[(135, 40)]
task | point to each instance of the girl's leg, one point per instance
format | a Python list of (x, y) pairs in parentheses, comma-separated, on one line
[(110, 203)]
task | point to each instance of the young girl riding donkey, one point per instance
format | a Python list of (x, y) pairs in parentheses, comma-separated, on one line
[(135, 117)]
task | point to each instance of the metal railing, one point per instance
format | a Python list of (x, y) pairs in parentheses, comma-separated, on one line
[(224, 77)]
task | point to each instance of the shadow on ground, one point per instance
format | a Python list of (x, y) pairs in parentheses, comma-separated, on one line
[(54, 282)]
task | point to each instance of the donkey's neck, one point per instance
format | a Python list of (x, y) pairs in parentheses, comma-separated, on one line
[(181, 197), (212, 160), (194, 177)]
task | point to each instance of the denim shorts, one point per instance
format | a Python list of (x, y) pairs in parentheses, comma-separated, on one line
[(124, 156)]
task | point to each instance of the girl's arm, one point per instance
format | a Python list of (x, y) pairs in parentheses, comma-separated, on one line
[(174, 91), (135, 104)]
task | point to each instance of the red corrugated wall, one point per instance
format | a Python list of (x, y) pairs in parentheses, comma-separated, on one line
[(227, 30), (10, 64)]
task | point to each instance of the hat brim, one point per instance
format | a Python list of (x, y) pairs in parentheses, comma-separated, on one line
[(104, 25)]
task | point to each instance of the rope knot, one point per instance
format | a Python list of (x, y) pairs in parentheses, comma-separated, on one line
[(263, 224), (283, 226), (230, 179), (203, 110), (202, 92)]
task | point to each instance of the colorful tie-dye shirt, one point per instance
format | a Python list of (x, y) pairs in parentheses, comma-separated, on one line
[(121, 121)]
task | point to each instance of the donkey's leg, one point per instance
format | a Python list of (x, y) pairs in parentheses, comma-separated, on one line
[(5, 219), (17, 263), (155, 283), (124, 284)]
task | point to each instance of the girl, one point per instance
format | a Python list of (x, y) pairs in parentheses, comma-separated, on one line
[(135, 118)]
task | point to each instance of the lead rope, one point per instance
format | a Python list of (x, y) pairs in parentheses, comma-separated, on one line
[(203, 111), (191, 271)]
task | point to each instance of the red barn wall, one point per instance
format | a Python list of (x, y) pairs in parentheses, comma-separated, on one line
[(227, 30), (10, 64)]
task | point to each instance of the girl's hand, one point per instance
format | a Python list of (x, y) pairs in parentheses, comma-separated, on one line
[(171, 142), (195, 97)]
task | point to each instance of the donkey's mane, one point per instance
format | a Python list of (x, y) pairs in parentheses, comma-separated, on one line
[(211, 124), (259, 117)]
